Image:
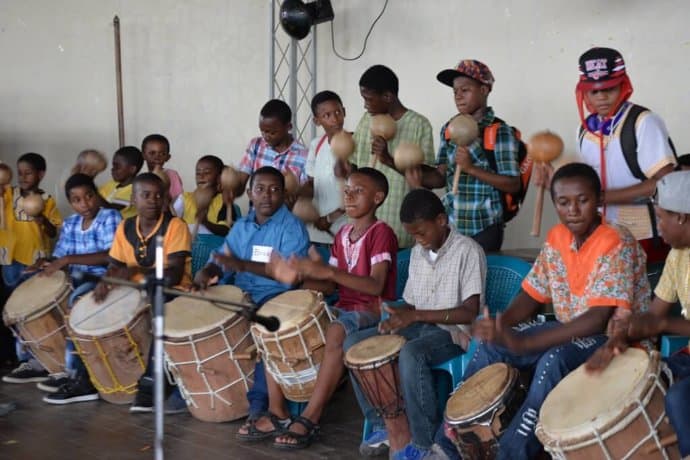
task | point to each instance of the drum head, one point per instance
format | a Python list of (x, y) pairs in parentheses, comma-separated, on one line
[(291, 308), (374, 349), (35, 294), (185, 316), (114, 313), (480, 392), (569, 413)]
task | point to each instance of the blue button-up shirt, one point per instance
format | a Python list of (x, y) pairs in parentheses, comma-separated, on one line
[(283, 232)]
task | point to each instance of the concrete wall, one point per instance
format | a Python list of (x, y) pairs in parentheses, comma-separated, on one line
[(196, 71)]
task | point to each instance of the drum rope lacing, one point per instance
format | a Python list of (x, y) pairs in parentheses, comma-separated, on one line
[(174, 366), (559, 453), (117, 385), (36, 342)]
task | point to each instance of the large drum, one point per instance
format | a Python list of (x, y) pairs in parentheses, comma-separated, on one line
[(293, 353), (374, 363), (202, 341), (480, 410), (620, 416), (36, 314), (113, 339)]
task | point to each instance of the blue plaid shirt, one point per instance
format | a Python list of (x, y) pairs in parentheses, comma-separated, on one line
[(477, 204), (97, 238)]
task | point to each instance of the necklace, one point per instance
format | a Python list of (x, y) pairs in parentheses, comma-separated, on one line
[(142, 245)]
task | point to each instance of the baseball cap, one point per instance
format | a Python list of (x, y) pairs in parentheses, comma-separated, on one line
[(672, 192), (601, 68), (470, 68)]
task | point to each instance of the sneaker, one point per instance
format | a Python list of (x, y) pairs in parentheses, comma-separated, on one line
[(54, 382), (375, 444), (175, 404), (410, 452), (25, 373), (143, 403), (75, 390)]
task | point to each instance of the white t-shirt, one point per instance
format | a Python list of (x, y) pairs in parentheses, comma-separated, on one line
[(654, 152), (328, 189)]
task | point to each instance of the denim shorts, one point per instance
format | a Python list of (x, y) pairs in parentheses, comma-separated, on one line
[(353, 321)]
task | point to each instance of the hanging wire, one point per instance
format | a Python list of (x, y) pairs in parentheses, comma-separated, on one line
[(364, 47)]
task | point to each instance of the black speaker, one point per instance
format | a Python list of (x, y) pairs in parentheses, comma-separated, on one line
[(297, 17)]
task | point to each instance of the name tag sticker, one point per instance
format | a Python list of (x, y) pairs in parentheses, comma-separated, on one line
[(261, 253)]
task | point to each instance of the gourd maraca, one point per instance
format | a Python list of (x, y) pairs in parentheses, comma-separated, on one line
[(5, 179), (90, 162), (230, 180), (408, 155), (462, 130), (382, 125), (342, 145), (543, 147), (305, 210), (202, 197), (33, 204), (291, 183)]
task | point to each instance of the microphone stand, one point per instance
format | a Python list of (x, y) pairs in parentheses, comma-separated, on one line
[(158, 318)]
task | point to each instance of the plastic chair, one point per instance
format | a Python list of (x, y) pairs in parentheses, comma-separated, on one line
[(503, 280), (201, 250), (671, 344), (403, 269)]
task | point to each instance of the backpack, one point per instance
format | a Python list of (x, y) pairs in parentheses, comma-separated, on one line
[(511, 202), (628, 141)]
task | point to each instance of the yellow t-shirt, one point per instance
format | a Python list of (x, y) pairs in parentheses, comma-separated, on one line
[(128, 249), (188, 211), (674, 284), (120, 196), (24, 240)]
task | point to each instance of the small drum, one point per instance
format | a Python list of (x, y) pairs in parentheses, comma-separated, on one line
[(201, 344), (293, 353), (374, 363), (621, 415), (480, 410), (113, 339), (36, 314)]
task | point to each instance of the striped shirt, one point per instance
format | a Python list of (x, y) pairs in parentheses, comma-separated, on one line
[(411, 127), (477, 205), (260, 154)]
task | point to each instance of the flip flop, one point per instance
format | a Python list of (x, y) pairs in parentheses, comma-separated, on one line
[(254, 434)]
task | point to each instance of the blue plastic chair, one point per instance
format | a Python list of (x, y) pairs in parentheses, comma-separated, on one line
[(503, 280), (403, 269), (672, 343), (204, 244)]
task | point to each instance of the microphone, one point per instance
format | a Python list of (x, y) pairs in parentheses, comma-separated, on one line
[(271, 323)]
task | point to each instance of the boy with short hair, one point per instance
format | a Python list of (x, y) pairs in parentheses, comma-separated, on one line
[(476, 210), (329, 113), (155, 148), (27, 239), (268, 227), (132, 257), (127, 162), (378, 87), (83, 246), (363, 266), (275, 147), (604, 90), (673, 219), (444, 290), (213, 218), (588, 269)]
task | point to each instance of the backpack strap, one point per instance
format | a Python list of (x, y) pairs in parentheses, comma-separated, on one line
[(629, 141), (320, 144), (490, 133)]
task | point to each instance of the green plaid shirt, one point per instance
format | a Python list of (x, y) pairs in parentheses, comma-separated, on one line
[(412, 127), (477, 204)]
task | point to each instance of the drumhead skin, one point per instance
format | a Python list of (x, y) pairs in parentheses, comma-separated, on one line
[(34, 294), (291, 308), (185, 316), (116, 311), (480, 392), (567, 413), (374, 349)]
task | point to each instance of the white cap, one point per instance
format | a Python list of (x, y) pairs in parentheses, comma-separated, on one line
[(673, 192)]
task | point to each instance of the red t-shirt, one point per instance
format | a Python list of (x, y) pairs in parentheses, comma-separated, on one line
[(378, 244)]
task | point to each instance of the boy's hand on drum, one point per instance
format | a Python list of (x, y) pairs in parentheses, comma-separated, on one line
[(484, 328), (311, 267), (646, 325), (601, 358), (281, 270), (228, 261), (51, 267), (399, 318), (203, 279), (101, 291)]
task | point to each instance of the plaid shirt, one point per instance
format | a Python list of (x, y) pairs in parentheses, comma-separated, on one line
[(412, 127), (477, 204), (97, 238), (259, 154)]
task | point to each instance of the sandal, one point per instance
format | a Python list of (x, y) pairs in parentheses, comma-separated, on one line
[(255, 434), (302, 441)]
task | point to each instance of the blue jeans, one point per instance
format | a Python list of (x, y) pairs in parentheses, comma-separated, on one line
[(550, 367), (427, 345), (74, 366), (678, 399)]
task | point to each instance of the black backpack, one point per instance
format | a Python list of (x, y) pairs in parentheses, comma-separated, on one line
[(629, 146)]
